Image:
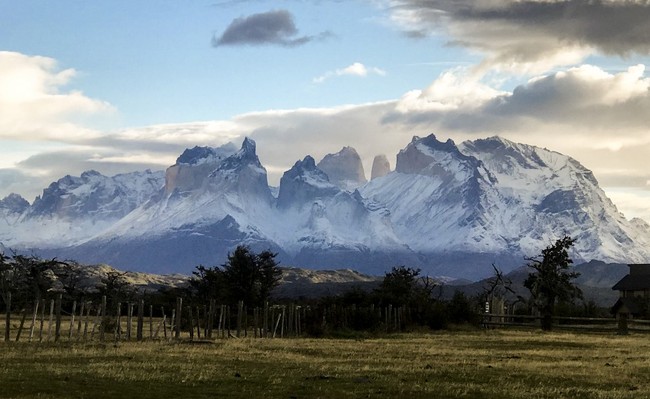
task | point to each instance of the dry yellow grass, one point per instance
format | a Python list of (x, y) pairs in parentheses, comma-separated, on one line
[(468, 364)]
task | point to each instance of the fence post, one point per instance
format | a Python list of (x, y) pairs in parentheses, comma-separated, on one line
[(172, 324), (57, 333), (85, 336), (179, 309), (74, 309), (221, 326), (255, 326), (42, 321), (240, 307), (228, 319), (8, 318), (34, 315), (140, 320), (208, 330), (51, 320), (102, 326), (265, 323), (118, 322), (81, 318), (164, 322), (276, 324), (129, 320), (191, 317), (22, 324), (198, 321), (150, 321)]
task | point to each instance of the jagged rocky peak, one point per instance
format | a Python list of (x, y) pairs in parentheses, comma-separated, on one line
[(14, 203), (502, 155), (344, 169), (430, 157), (220, 171), (304, 182), (246, 156), (194, 165), (380, 166), (242, 172), (507, 158), (197, 155)]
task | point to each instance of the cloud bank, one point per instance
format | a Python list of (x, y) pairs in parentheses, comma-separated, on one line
[(531, 35), (34, 104)]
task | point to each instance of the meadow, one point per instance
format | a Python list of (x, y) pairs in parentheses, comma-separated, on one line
[(450, 364)]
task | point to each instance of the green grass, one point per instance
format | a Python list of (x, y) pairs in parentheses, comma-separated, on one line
[(461, 364)]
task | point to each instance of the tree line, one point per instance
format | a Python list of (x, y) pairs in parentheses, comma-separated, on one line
[(248, 277)]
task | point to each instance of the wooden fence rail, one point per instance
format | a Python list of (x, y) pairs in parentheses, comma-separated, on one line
[(593, 324)]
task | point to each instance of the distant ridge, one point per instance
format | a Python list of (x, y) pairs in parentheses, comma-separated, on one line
[(448, 209)]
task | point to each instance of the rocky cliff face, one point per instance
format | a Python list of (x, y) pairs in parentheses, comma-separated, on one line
[(380, 167), (344, 169), (193, 166)]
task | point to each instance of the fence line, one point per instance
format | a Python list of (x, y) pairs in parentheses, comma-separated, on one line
[(101, 321), (592, 324), (97, 321)]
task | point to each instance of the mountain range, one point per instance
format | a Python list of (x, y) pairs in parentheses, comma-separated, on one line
[(449, 209)]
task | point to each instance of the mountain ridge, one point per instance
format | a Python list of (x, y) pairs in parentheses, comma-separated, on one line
[(449, 209)]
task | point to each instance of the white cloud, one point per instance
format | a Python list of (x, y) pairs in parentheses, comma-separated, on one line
[(356, 69), (455, 89), (34, 105)]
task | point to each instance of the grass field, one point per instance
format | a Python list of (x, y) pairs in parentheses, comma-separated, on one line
[(466, 364)]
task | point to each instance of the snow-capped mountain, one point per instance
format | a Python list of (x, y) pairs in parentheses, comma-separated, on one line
[(449, 209), (72, 209), (554, 194), (324, 225), (213, 199), (11, 208)]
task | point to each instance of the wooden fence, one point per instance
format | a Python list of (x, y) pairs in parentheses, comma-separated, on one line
[(592, 324), (87, 321), (49, 320)]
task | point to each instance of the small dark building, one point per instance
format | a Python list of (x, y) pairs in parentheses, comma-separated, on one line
[(634, 291)]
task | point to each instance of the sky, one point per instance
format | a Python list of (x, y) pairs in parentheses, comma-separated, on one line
[(118, 86)]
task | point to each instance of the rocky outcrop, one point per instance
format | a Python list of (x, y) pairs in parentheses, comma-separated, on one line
[(193, 167), (380, 167), (344, 169)]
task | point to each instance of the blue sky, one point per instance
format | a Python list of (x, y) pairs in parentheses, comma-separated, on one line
[(122, 85), (154, 60)]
